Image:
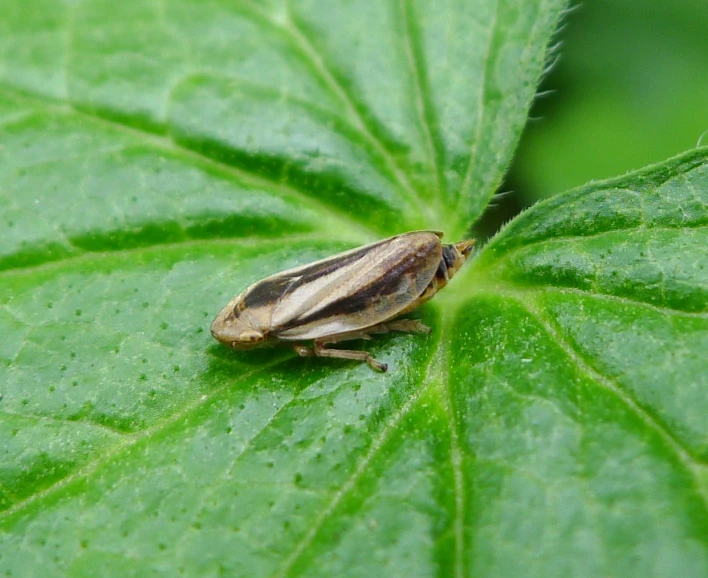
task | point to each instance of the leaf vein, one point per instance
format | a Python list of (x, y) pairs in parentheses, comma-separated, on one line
[(422, 91), (627, 301), (566, 238), (443, 357), (682, 454), (480, 105), (168, 144), (376, 445), (113, 432), (320, 68), (131, 440), (87, 255), (214, 487)]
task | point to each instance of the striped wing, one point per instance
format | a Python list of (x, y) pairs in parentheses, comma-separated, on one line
[(350, 291)]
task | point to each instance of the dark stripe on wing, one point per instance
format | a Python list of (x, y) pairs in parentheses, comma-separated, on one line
[(397, 280), (266, 292), (270, 290)]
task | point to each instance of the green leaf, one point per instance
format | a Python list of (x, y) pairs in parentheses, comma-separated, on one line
[(159, 157), (581, 375)]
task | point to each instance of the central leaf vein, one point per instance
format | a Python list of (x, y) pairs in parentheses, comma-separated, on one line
[(376, 445), (442, 357)]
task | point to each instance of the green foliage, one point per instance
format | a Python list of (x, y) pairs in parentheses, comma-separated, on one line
[(158, 157), (628, 90)]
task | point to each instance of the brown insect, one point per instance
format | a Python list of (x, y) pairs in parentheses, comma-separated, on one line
[(347, 296)]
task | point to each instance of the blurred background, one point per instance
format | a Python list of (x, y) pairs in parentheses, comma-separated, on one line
[(630, 88)]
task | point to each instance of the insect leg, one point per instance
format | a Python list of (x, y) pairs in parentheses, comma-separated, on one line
[(320, 349), (303, 350)]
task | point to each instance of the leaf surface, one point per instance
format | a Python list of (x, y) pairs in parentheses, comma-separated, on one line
[(159, 157)]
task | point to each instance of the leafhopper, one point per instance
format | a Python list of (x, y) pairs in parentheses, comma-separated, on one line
[(351, 295)]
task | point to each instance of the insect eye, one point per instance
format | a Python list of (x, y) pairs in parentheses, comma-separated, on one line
[(465, 247), (250, 336)]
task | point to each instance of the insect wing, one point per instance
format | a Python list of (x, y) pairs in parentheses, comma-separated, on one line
[(354, 290)]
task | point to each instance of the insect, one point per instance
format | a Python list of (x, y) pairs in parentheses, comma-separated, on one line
[(351, 295)]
